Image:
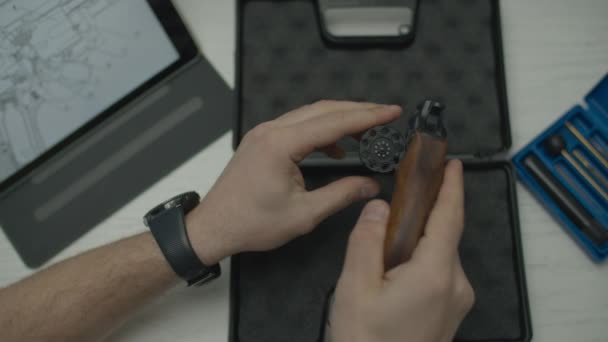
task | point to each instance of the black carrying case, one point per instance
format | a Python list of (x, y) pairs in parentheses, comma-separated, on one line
[(283, 62)]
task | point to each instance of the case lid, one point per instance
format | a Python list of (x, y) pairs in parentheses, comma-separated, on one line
[(598, 96), (456, 58)]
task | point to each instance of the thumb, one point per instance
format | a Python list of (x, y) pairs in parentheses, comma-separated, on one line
[(364, 262), (335, 196)]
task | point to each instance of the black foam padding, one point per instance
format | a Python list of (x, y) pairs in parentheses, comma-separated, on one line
[(280, 295), (284, 63)]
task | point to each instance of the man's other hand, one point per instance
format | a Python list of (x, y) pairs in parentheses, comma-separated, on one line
[(423, 300)]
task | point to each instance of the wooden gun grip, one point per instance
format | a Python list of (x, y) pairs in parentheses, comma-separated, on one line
[(418, 179)]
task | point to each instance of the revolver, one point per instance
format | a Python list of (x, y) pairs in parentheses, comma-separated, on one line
[(418, 159)]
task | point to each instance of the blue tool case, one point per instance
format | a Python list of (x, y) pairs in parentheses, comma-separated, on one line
[(566, 168)]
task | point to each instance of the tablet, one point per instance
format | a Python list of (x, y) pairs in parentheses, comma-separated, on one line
[(65, 66)]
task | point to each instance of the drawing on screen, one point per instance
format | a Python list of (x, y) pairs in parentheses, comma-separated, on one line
[(51, 52)]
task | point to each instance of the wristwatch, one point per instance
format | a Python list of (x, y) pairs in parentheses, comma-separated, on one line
[(168, 226)]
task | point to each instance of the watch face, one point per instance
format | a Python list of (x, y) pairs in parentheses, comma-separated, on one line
[(172, 203), (187, 200)]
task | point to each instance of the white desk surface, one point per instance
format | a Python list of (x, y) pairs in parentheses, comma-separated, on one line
[(555, 50)]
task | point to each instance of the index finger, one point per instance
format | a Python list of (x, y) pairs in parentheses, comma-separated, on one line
[(324, 130), (446, 222), (320, 108)]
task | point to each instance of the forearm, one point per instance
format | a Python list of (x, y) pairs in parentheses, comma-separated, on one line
[(84, 298), (259, 203)]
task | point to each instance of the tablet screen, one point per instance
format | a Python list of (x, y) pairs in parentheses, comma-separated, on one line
[(62, 63)]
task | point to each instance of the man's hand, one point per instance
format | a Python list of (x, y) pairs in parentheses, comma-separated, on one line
[(260, 201), (423, 300)]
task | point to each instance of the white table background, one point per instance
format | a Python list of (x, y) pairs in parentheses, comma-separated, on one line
[(555, 51)]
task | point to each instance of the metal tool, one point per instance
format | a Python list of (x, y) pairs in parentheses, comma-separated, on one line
[(565, 201), (591, 202), (587, 144), (594, 171), (556, 145), (600, 145)]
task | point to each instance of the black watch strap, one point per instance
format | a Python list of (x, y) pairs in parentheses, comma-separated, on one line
[(169, 231)]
